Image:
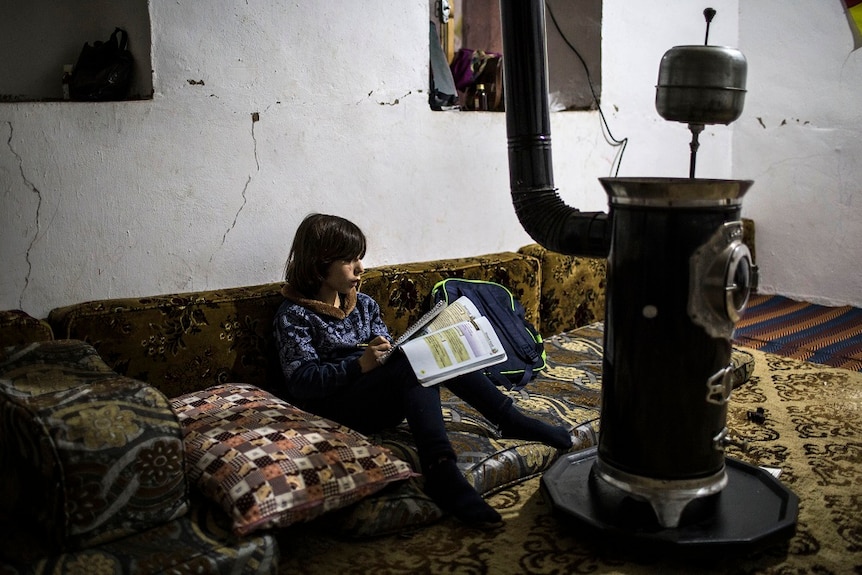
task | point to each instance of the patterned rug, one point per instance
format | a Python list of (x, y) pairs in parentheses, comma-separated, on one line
[(809, 426), (802, 330)]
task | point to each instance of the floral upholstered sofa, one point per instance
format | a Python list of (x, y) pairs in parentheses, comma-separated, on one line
[(145, 435)]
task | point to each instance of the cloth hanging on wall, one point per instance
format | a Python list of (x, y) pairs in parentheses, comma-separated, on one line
[(442, 94)]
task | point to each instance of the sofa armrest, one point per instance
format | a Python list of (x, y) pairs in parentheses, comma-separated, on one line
[(19, 328)]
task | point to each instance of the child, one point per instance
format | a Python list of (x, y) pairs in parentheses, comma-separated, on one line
[(329, 339)]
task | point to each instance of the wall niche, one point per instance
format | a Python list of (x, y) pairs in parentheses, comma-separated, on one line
[(39, 37)]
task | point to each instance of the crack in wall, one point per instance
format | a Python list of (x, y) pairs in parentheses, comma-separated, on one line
[(236, 216), (35, 237), (255, 118), (396, 101)]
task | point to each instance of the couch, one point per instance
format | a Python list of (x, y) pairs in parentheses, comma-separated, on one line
[(181, 370)]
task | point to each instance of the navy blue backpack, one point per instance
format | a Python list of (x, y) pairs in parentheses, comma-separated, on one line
[(523, 344)]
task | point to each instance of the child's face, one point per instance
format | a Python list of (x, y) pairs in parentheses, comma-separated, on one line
[(343, 275)]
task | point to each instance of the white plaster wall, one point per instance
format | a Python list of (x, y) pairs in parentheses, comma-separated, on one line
[(189, 192), (801, 141)]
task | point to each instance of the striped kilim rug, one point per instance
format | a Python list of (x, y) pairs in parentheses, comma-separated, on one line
[(801, 330)]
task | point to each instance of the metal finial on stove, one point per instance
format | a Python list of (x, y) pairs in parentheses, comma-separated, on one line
[(709, 14)]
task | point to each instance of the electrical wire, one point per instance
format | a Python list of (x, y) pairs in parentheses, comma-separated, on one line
[(606, 130)]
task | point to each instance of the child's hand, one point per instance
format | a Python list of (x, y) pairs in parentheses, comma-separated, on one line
[(376, 348)]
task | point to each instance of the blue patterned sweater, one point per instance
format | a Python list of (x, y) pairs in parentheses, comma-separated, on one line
[(318, 344)]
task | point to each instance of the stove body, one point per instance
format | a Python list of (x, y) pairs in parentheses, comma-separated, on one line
[(678, 277)]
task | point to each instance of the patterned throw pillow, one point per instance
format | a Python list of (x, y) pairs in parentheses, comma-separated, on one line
[(86, 456), (270, 464)]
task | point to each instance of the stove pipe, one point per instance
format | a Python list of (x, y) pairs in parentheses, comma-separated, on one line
[(543, 215)]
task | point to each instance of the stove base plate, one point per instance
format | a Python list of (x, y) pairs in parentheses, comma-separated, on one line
[(752, 511)]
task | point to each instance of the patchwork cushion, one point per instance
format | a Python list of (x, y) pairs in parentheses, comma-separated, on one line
[(270, 464), (88, 456)]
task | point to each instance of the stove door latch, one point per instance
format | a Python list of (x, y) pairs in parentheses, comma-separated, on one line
[(722, 277)]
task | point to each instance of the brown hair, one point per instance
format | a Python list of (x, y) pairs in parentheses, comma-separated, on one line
[(320, 240)]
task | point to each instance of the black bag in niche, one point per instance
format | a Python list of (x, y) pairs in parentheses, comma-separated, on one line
[(104, 70)]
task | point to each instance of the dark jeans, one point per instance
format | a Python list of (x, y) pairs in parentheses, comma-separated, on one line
[(385, 396)]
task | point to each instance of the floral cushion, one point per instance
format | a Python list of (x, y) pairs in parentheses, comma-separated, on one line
[(270, 464), (181, 342), (573, 290), (87, 456)]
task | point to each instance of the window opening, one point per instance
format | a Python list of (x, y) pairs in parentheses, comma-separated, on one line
[(471, 38)]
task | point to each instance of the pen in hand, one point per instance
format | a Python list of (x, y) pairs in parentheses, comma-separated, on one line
[(376, 340), (370, 357)]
